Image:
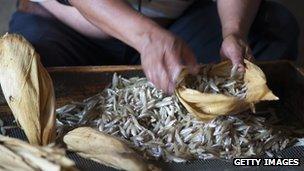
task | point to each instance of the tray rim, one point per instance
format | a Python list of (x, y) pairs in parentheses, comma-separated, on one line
[(126, 68), (94, 69)]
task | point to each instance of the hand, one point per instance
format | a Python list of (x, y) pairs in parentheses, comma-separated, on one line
[(236, 49), (162, 58)]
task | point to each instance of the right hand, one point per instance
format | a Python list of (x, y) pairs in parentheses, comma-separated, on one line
[(162, 58), (236, 49)]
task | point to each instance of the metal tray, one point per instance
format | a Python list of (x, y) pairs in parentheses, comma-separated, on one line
[(78, 83)]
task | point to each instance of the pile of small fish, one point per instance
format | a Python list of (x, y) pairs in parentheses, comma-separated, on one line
[(160, 127), (231, 86)]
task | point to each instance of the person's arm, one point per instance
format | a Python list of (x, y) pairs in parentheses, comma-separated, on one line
[(161, 52), (71, 17), (236, 17), (116, 18)]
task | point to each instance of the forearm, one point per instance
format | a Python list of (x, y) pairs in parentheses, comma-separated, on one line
[(71, 17), (237, 16), (117, 19)]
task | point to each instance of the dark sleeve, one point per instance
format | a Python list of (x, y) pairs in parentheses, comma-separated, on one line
[(64, 2)]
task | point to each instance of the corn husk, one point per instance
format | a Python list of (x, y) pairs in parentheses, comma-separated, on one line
[(207, 106), (17, 155), (27, 88), (103, 148)]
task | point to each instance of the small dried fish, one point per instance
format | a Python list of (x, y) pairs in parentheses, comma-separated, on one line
[(233, 71), (160, 127), (2, 129), (230, 86)]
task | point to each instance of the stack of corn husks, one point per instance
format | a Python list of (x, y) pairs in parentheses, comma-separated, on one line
[(19, 155), (29, 92), (28, 89)]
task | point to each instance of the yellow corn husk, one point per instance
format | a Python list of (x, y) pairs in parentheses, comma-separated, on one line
[(207, 106), (104, 149), (17, 155), (28, 89), (12, 161)]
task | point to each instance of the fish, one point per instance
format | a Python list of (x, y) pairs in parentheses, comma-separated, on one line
[(158, 126), (230, 86)]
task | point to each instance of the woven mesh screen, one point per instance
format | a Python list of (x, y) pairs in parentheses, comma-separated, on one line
[(198, 165)]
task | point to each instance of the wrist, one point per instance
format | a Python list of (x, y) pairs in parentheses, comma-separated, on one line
[(147, 36), (234, 31)]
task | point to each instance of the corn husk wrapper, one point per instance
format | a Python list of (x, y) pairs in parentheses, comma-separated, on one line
[(17, 155), (207, 106), (104, 149), (28, 89)]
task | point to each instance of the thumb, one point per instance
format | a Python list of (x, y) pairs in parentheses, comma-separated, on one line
[(236, 56)]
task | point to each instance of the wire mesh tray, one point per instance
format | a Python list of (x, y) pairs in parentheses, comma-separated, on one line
[(78, 83)]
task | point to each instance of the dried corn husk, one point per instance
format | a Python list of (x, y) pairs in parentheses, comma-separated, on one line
[(104, 149), (17, 155), (27, 88), (207, 106)]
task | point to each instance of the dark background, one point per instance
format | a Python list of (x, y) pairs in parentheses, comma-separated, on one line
[(295, 6)]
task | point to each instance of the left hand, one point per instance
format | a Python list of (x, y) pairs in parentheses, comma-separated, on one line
[(236, 49)]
